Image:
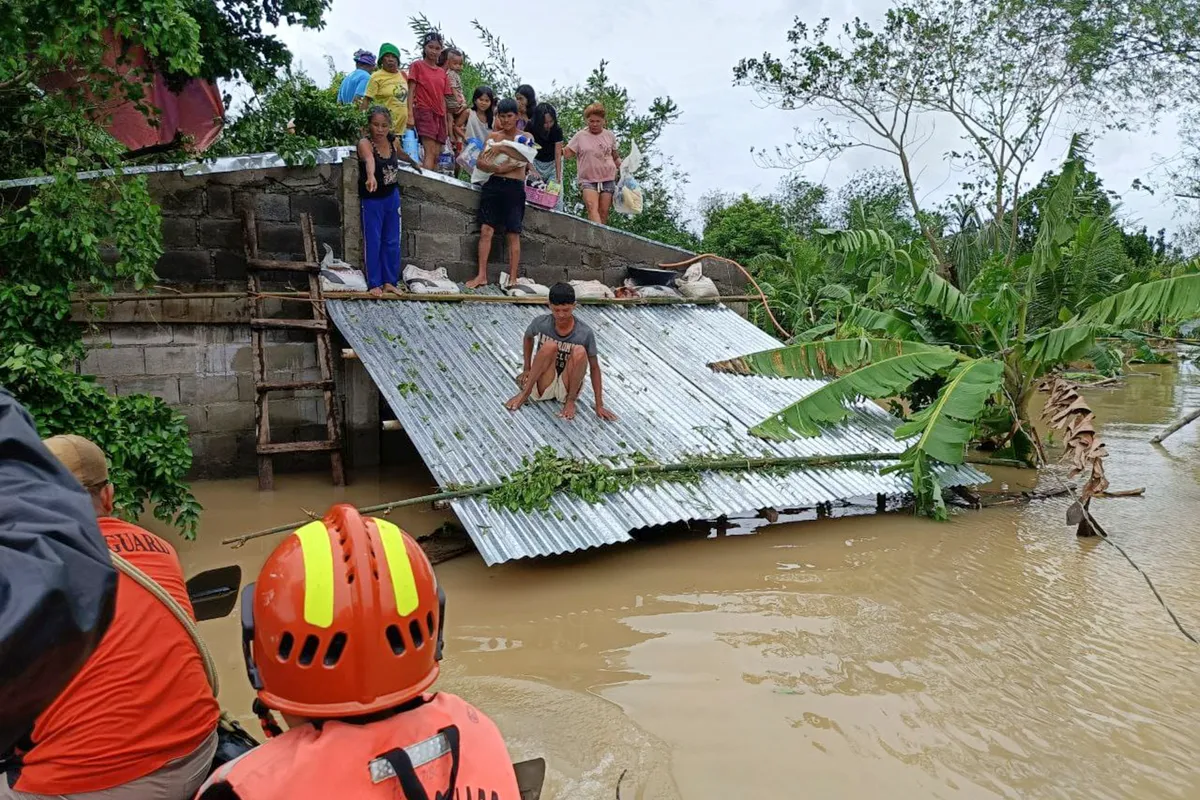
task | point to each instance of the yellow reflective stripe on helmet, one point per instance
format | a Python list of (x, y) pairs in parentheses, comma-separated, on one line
[(404, 582), (318, 573)]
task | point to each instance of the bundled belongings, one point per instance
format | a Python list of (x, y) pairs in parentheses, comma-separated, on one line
[(429, 281), (592, 289), (694, 285), (524, 287), (503, 155), (338, 276), (633, 289)]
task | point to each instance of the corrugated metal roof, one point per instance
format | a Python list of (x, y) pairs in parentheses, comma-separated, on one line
[(447, 368)]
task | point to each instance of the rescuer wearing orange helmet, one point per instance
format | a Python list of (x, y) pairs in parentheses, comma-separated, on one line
[(342, 634)]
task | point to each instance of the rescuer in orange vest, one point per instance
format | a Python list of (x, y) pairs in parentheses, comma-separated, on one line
[(342, 634)]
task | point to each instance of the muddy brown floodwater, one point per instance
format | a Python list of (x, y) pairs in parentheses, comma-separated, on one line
[(875, 656)]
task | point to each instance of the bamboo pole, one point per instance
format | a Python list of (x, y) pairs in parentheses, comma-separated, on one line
[(414, 297), (714, 465), (1175, 426)]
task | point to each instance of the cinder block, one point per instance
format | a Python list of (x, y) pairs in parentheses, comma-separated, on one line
[(174, 360), (114, 361), (123, 335), (410, 215), (226, 359), (165, 388), (229, 417), (461, 271), (223, 234), (531, 251), (197, 422), (431, 248), (179, 232), (273, 207), (565, 255), (440, 219), (220, 201), (184, 266), (202, 390), (182, 202), (292, 357), (546, 275), (331, 236), (96, 335), (280, 238), (323, 210), (212, 453)]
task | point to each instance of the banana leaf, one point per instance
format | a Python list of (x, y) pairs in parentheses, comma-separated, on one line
[(819, 359), (1062, 344), (889, 322), (883, 378), (935, 291), (1166, 300), (945, 427)]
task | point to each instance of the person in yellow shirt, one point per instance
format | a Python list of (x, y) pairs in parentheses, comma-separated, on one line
[(388, 87)]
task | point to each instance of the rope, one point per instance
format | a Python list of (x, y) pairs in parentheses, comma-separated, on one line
[(1099, 529), (151, 586), (762, 295)]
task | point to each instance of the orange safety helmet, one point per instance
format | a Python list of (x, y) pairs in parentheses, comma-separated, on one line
[(345, 619)]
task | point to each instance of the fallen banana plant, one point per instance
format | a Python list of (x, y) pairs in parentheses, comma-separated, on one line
[(1066, 410)]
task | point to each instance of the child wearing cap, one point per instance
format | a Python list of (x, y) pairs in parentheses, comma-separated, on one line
[(388, 87)]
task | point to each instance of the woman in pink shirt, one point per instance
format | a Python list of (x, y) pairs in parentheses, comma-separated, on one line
[(596, 150)]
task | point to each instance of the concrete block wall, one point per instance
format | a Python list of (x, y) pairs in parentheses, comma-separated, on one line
[(195, 353)]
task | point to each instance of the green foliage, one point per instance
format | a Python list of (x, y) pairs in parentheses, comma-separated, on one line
[(547, 473), (318, 119), (744, 228), (1166, 300), (946, 427)]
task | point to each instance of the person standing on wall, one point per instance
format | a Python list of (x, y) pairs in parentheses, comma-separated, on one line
[(388, 87), (526, 99), (354, 85), (502, 196), (548, 136), (379, 197), (596, 148), (428, 88), (139, 721)]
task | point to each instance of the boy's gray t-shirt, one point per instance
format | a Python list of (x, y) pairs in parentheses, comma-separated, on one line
[(581, 334)]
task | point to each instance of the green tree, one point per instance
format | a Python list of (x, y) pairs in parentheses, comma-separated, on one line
[(744, 227), (993, 343)]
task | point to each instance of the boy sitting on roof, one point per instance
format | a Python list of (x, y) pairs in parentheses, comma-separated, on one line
[(566, 348)]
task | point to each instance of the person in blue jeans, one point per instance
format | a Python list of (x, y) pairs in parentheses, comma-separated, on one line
[(354, 85), (379, 195)]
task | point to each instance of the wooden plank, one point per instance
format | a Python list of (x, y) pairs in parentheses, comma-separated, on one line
[(333, 427), (300, 324), (283, 386), (282, 266), (274, 448)]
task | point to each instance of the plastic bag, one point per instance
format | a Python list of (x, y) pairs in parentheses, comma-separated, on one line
[(429, 281), (524, 287), (470, 154), (592, 289), (694, 285), (632, 289), (338, 276), (628, 197)]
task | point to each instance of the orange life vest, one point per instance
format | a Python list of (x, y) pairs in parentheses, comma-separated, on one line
[(444, 749)]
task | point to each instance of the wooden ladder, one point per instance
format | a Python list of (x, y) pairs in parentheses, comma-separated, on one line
[(318, 324)]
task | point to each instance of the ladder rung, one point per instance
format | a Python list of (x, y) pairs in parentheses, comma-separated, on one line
[(304, 324), (282, 386), (275, 448), (282, 266)]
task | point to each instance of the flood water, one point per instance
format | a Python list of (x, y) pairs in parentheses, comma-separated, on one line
[(876, 656)]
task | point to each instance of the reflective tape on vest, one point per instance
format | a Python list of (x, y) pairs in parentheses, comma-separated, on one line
[(404, 582), (317, 550), (420, 754)]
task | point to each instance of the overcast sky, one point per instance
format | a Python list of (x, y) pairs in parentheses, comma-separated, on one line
[(688, 50)]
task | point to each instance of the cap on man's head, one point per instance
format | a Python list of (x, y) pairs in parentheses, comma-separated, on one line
[(82, 457), (562, 294)]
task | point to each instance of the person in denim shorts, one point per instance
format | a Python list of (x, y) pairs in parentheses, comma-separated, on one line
[(595, 147)]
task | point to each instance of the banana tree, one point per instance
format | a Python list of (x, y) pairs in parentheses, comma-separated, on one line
[(987, 359)]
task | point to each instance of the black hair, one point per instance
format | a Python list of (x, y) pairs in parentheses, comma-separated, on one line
[(445, 55), (430, 36), (374, 111), (506, 106), (537, 121), (526, 91), (562, 294), (485, 91)]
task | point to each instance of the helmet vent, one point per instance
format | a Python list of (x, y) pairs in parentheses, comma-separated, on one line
[(395, 640), (286, 642), (414, 629), (334, 652), (309, 651), (429, 624)]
